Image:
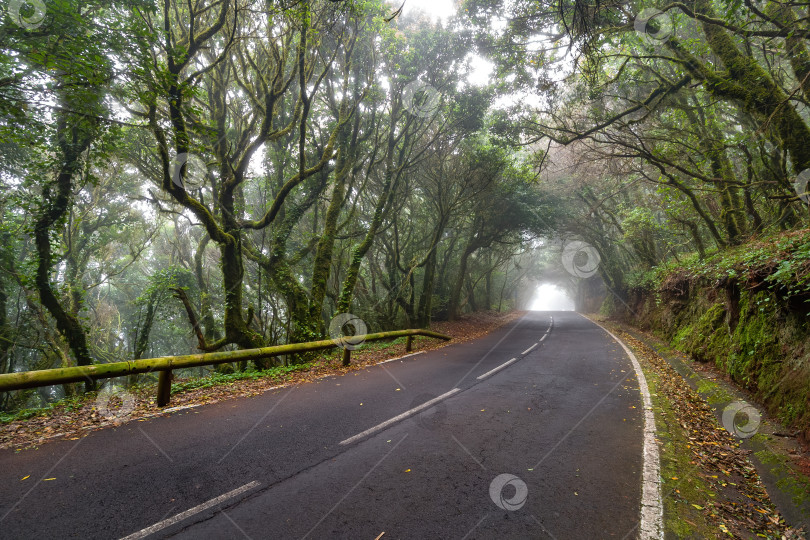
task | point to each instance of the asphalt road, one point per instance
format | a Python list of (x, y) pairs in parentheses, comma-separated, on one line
[(447, 444)]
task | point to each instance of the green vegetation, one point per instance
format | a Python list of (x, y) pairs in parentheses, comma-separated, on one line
[(781, 260), (181, 177), (745, 310), (64, 405), (681, 487), (217, 379), (796, 485), (710, 488)]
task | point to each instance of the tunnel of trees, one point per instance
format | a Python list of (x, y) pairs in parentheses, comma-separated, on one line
[(218, 174)]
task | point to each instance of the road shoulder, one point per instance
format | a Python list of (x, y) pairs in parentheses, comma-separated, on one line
[(711, 487)]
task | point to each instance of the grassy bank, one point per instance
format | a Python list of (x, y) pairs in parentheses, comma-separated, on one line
[(747, 311)]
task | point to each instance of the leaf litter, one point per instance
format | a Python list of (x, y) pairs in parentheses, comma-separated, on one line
[(740, 506)]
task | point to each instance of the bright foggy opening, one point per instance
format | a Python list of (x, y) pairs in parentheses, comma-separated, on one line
[(549, 297)]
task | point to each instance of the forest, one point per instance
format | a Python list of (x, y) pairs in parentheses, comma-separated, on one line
[(215, 175)]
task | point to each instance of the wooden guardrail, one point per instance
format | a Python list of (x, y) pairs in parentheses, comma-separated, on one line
[(165, 365)]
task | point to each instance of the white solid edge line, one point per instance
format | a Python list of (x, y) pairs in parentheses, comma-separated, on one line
[(527, 351), (399, 417), (190, 512), (491, 371), (400, 357), (652, 510), (544, 337), (180, 408)]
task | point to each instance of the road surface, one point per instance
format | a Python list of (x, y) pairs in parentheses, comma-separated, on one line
[(533, 431)]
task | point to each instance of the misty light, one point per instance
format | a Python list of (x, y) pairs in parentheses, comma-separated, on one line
[(549, 297)]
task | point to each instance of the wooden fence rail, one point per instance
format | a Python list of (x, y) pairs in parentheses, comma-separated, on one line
[(164, 365)]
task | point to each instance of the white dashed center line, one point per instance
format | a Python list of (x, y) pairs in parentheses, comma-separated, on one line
[(190, 512), (490, 372), (403, 416)]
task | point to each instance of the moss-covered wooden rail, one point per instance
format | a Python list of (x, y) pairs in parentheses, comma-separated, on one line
[(165, 364)]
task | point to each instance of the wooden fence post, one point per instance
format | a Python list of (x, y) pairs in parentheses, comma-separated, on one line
[(347, 356), (164, 392), (409, 344)]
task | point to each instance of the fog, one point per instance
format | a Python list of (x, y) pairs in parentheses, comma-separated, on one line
[(549, 297)]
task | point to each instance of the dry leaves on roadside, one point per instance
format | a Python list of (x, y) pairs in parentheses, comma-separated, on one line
[(741, 507)]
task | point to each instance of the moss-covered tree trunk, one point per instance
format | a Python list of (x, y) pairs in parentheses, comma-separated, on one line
[(302, 326), (455, 294), (795, 45), (428, 279), (360, 250), (74, 135), (749, 84), (713, 146), (142, 335), (6, 332), (228, 233), (209, 325), (322, 265)]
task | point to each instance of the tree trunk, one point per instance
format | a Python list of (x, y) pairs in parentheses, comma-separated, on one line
[(748, 84), (74, 137), (455, 293), (322, 265), (209, 325), (360, 250)]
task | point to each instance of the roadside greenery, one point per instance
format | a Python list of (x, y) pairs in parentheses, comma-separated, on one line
[(221, 175)]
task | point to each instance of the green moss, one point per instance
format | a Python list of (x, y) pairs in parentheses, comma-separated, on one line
[(61, 406), (745, 309), (757, 365), (713, 392), (792, 483), (707, 338)]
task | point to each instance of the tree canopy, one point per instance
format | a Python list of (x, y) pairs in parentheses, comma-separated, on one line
[(220, 174)]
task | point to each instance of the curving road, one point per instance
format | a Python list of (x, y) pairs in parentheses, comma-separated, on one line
[(534, 431)]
